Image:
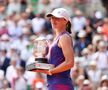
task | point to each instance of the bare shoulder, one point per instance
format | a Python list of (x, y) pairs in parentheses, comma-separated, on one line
[(65, 38)]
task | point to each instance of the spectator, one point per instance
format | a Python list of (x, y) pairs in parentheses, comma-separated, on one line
[(1, 78), (85, 59), (38, 24), (14, 29), (81, 43), (2, 12), (74, 75), (44, 6), (23, 19), (12, 51), (13, 6), (26, 32), (56, 3), (29, 11), (96, 39), (20, 41), (86, 85), (26, 53), (68, 4), (23, 4), (101, 57), (48, 26), (79, 21), (38, 82), (97, 19), (105, 28), (20, 82), (5, 42), (103, 83), (91, 51), (88, 27), (80, 81), (100, 33), (4, 60), (3, 82), (11, 71), (3, 28), (94, 74)]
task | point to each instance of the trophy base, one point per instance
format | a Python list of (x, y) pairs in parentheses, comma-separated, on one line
[(38, 65), (41, 60)]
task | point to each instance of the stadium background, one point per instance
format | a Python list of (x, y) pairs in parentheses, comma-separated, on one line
[(22, 21)]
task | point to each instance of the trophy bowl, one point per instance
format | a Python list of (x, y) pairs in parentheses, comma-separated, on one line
[(41, 51)]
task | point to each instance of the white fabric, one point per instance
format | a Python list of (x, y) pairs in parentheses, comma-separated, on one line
[(5, 45), (13, 7), (1, 75), (102, 62), (2, 58), (30, 77), (13, 29), (60, 13), (30, 60), (20, 44), (25, 54), (94, 75), (22, 23), (37, 24), (55, 3), (11, 73), (21, 84), (78, 23)]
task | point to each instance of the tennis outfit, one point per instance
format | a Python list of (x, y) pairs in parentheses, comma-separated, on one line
[(59, 81)]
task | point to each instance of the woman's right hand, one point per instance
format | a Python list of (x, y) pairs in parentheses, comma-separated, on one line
[(35, 53)]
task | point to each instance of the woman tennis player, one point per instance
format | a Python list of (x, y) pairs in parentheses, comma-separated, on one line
[(61, 52)]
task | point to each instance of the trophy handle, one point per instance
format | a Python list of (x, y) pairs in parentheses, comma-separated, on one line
[(47, 50)]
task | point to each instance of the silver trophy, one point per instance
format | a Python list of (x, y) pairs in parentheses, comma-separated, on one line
[(41, 50)]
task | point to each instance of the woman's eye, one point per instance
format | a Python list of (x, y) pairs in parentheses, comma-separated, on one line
[(58, 19)]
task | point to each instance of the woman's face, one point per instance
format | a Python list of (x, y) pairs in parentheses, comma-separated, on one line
[(58, 23)]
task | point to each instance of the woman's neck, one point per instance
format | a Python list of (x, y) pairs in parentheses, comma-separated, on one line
[(58, 31)]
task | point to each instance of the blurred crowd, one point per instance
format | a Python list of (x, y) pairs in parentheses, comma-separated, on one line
[(22, 21)]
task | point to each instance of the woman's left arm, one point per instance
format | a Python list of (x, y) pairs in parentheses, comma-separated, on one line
[(65, 43)]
